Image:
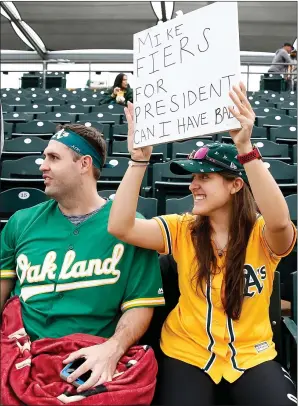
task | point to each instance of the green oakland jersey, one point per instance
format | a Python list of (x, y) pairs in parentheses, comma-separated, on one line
[(75, 278)]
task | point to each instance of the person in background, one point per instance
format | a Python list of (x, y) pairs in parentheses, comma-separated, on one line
[(293, 70), (282, 56), (226, 252), (120, 93)]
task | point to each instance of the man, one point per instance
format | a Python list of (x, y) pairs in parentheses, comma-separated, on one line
[(281, 57), (70, 274)]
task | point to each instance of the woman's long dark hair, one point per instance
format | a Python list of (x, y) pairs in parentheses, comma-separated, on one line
[(241, 223), (118, 80)]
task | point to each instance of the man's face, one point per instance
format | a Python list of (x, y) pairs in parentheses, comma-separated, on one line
[(288, 49), (61, 174)]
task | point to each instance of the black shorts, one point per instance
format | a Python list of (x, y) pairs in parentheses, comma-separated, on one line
[(180, 383)]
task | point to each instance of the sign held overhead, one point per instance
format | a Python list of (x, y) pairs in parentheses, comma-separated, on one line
[(183, 71)]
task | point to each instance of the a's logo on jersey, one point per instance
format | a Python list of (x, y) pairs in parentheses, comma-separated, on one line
[(253, 280)]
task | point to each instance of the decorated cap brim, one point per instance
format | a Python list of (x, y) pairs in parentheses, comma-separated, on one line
[(187, 166)]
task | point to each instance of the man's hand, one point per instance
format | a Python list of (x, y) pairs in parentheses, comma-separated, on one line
[(101, 359)]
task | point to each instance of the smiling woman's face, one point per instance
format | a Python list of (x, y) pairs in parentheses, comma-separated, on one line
[(211, 192)]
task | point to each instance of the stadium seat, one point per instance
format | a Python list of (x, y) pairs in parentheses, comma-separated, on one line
[(7, 130), (262, 112), (109, 108), (179, 206), (72, 108), (17, 101), (276, 121), (285, 134), (6, 108), (15, 117), (261, 103), (120, 132), (110, 178), (39, 128), (103, 128), (293, 113), (87, 101), (146, 206), (61, 118), (19, 147), (295, 154), (287, 106), (22, 172), (165, 184), (159, 154), (33, 108), (105, 118), (49, 101), (17, 199), (271, 150), (284, 174), (257, 134), (184, 148), (292, 205)]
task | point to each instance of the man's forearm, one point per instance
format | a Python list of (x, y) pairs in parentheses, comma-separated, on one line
[(131, 327)]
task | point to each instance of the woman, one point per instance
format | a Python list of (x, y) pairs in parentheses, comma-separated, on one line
[(226, 256), (120, 93)]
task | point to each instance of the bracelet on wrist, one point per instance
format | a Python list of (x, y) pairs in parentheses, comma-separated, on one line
[(142, 162), (135, 163)]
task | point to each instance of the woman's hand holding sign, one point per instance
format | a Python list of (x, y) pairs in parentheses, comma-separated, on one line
[(140, 154)]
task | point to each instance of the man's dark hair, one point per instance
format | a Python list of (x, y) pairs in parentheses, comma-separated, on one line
[(118, 80), (288, 44), (94, 137)]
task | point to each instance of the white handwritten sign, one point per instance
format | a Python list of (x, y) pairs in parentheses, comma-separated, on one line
[(183, 71)]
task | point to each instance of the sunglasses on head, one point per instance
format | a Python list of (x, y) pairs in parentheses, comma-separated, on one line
[(202, 155)]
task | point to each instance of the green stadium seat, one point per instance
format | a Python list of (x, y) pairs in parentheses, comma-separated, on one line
[(49, 101), (295, 154), (109, 108), (271, 150), (7, 130), (284, 174), (292, 205), (285, 134), (146, 206), (34, 108), (276, 121), (87, 101), (40, 128), (120, 132), (19, 147), (179, 205), (260, 103), (103, 128), (61, 118), (6, 108), (23, 172), (287, 105), (111, 178), (293, 113), (17, 199), (262, 112), (15, 117), (184, 148), (159, 154), (101, 117), (257, 134), (17, 101), (72, 108), (166, 184)]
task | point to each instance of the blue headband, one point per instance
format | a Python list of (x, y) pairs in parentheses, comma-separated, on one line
[(80, 145)]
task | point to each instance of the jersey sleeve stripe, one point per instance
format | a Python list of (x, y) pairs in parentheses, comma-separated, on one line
[(166, 231), (7, 274), (287, 252), (143, 302)]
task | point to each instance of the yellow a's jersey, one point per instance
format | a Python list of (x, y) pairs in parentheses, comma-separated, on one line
[(198, 331)]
